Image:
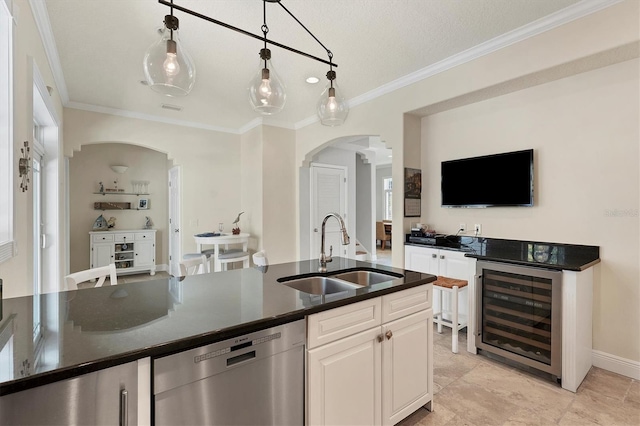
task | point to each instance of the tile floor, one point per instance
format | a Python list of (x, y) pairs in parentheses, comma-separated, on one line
[(473, 390), (384, 256)]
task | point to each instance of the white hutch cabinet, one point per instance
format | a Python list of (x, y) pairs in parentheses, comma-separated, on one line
[(132, 251)]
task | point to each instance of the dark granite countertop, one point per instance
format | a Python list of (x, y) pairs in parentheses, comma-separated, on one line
[(557, 256), (93, 329)]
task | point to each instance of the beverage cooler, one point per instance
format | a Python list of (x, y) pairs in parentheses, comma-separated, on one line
[(519, 315)]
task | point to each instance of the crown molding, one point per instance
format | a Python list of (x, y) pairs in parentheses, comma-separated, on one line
[(148, 117), (250, 125), (41, 16), (559, 18), (549, 22)]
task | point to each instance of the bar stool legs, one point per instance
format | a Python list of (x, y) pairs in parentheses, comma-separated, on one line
[(458, 322)]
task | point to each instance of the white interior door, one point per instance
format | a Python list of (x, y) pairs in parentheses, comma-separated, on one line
[(175, 252), (328, 195)]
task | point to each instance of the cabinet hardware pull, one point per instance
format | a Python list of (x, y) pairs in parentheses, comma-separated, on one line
[(124, 408), (442, 256), (434, 255), (380, 338), (389, 334), (177, 230)]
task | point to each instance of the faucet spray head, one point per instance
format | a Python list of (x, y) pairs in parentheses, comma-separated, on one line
[(345, 237)]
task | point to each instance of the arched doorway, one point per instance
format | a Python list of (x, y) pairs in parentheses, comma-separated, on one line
[(90, 171), (360, 156)]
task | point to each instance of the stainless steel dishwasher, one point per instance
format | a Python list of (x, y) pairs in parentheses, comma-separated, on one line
[(255, 379)]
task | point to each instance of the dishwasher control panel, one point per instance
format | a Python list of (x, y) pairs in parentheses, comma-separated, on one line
[(185, 367)]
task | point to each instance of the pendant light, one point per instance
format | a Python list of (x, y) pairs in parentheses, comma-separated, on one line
[(168, 67), (266, 91), (332, 108), (170, 70)]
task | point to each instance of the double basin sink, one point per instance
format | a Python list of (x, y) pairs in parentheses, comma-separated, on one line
[(352, 279)]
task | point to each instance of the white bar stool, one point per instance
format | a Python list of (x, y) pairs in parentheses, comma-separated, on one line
[(458, 322)]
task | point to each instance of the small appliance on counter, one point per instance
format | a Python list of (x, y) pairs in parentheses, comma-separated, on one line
[(421, 234)]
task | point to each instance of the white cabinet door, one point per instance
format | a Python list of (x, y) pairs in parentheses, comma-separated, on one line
[(345, 381), (453, 264), (144, 254), (102, 255), (407, 354), (421, 259)]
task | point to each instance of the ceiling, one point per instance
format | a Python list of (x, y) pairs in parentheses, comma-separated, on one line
[(101, 43)]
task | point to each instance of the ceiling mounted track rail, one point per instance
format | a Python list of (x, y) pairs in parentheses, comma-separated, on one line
[(249, 34)]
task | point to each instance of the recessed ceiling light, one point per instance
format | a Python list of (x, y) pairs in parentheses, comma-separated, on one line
[(312, 80)]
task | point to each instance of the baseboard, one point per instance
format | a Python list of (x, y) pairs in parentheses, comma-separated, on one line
[(162, 267), (616, 364)]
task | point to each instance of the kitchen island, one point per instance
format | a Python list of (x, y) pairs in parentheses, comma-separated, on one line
[(87, 331)]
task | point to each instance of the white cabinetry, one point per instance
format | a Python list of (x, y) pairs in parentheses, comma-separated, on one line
[(132, 251), (370, 363), (452, 264), (448, 263)]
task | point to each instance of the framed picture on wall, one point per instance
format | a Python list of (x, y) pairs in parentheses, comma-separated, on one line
[(143, 204), (412, 207), (412, 192), (412, 183)]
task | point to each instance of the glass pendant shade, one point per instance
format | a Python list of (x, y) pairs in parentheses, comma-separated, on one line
[(332, 108), (168, 67), (266, 91)]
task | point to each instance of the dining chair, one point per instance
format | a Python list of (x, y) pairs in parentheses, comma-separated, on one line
[(382, 235), (260, 258), (232, 256), (99, 274), (194, 265)]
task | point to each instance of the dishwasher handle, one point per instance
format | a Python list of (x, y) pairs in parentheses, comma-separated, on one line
[(241, 358)]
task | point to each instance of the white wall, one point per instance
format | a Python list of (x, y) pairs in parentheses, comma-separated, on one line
[(365, 231), (279, 195), (584, 132), (210, 163), (17, 273), (382, 173), (92, 165)]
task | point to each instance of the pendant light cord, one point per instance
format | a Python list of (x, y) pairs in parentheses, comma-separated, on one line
[(264, 28), (171, 13)]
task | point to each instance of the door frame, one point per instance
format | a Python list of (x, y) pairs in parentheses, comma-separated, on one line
[(175, 249), (312, 198)]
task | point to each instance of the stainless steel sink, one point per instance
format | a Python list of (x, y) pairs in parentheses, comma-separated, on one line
[(341, 281), (319, 285), (367, 278)]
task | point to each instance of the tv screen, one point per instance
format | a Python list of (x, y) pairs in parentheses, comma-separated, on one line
[(492, 180)]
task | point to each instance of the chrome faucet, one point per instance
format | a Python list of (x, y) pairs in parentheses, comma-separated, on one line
[(345, 241)]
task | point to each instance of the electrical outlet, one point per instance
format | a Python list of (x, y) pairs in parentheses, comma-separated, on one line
[(462, 227), (477, 228)]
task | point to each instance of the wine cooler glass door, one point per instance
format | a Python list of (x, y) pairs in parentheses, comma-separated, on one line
[(519, 311)]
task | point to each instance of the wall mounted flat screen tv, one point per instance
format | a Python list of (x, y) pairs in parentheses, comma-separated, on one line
[(489, 181)]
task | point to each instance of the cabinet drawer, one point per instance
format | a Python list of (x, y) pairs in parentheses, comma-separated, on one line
[(406, 302), (124, 236), (144, 236), (102, 238), (335, 324)]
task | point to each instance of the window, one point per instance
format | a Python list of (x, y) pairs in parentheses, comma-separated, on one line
[(388, 192), (6, 133)]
